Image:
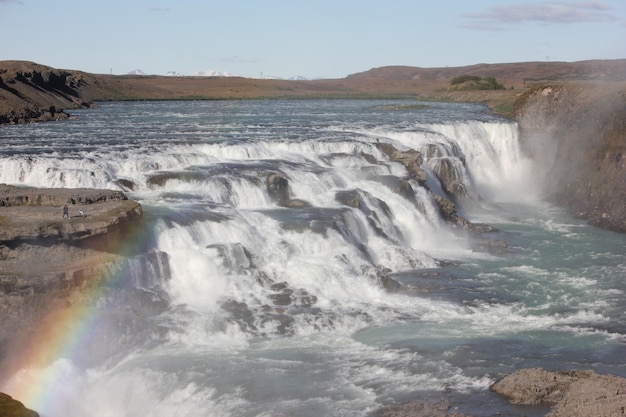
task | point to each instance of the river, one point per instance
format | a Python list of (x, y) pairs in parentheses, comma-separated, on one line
[(277, 311)]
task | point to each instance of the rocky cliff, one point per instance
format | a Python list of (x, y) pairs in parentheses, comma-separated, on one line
[(32, 92), (576, 134), (53, 266)]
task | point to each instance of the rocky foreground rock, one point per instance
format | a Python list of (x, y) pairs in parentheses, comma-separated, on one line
[(569, 393), (562, 393)]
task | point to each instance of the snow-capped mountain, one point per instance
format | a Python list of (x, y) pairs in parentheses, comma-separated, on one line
[(137, 72), (174, 74), (212, 73)]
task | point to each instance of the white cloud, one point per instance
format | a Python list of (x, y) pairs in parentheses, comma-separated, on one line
[(553, 12)]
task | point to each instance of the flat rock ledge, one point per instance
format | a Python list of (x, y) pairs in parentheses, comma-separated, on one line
[(51, 263), (568, 393), (30, 214)]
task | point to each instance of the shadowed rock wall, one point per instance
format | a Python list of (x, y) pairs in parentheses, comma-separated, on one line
[(576, 133)]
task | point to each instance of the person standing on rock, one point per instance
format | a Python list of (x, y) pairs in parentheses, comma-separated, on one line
[(66, 213)]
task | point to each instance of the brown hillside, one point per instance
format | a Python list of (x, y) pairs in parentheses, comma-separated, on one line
[(32, 92), (516, 75)]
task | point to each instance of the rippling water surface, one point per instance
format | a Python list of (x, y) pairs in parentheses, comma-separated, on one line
[(287, 311)]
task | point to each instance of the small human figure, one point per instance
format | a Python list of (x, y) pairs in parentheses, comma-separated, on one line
[(66, 213), (82, 213)]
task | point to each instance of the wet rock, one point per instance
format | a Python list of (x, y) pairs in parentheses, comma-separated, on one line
[(282, 322), (449, 178), (419, 408), (241, 313), (390, 284), (350, 198), (278, 189), (282, 298), (125, 184), (235, 257), (373, 208), (296, 203), (411, 159), (398, 185), (569, 393)]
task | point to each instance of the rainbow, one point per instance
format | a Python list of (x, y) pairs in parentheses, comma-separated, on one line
[(34, 368)]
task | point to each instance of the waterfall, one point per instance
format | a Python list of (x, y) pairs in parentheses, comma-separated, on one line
[(307, 258)]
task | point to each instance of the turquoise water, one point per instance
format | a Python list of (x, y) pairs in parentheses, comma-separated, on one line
[(282, 312)]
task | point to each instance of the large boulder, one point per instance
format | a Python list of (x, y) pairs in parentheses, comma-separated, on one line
[(570, 393)]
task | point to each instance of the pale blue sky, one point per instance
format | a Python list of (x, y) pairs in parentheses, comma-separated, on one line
[(315, 39)]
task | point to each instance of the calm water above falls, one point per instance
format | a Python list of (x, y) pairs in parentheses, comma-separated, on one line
[(281, 312)]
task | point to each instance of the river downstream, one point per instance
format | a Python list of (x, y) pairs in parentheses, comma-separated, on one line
[(278, 310)]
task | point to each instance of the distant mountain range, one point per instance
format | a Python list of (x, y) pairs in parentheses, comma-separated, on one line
[(213, 73)]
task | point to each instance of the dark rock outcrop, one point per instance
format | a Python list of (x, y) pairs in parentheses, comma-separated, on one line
[(278, 189), (569, 393), (10, 407), (32, 92), (411, 159)]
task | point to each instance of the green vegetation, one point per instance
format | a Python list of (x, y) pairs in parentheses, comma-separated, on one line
[(474, 82)]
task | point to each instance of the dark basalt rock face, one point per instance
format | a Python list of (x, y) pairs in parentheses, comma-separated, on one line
[(31, 93)]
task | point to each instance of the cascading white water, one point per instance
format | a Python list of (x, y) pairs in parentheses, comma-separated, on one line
[(358, 295)]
